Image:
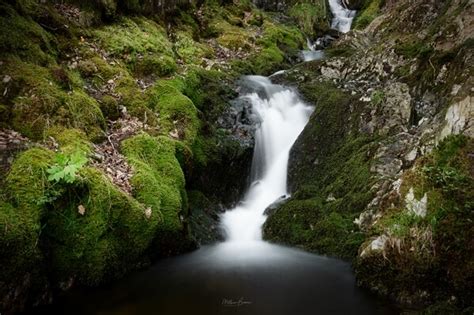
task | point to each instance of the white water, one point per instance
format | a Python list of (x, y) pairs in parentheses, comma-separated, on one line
[(312, 53), (343, 17), (282, 118)]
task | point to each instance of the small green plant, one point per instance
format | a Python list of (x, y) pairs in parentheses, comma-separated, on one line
[(449, 179), (66, 167), (377, 97)]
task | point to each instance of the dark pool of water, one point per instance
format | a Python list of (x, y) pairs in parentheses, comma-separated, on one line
[(231, 278)]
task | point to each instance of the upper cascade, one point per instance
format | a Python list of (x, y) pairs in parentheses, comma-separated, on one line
[(342, 16)]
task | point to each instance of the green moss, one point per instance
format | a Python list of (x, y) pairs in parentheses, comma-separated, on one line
[(20, 222), (20, 255), (414, 49), (71, 140), (189, 50), (208, 89), (109, 106), (159, 65), (233, 37), (26, 182), (287, 38), (310, 16), (267, 60), (21, 36), (177, 112), (20, 216), (39, 103), (83, 112), (276, 42), (98, 67), (18, 241), (110, 235), (34, 98), (158, 183), (368, 13), (131, 37)]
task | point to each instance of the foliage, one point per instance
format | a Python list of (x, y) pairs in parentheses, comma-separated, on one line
[(66, 167), (414, 49), (310, 16), (368, 13), (377, 97)]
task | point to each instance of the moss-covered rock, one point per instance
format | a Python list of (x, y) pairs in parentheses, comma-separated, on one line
[(159, 65), (177, 113), (189, 50), (21, 36), (21, 259), (71, 140), (159, 183), (38, 102), (232, 36), (134, 36), (94, 231)]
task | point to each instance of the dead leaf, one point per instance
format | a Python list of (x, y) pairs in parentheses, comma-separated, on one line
[(81, 210), (174, 134), (148, 212)]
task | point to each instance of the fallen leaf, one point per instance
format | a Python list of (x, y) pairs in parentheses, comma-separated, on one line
[(148, 212), (81, 210)]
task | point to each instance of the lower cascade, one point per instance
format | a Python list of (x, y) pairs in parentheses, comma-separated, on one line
[(282, 116)]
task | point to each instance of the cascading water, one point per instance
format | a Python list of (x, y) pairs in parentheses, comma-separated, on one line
[(282, 117), (312, 53), (342, 16)]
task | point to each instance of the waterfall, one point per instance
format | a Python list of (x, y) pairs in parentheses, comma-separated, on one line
[(342, 16), (312, 53), (282, 117)]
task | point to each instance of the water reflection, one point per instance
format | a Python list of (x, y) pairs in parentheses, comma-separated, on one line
[(231, 278)]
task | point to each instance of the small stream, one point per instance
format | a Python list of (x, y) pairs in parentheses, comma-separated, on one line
[(244, 274)]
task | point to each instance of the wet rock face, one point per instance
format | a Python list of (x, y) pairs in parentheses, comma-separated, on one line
[(225, 178), (354, 4), (239, 122)]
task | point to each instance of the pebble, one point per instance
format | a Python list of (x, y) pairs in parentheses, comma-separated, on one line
[(7, 79)]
